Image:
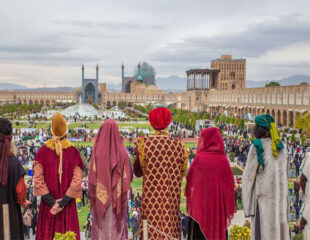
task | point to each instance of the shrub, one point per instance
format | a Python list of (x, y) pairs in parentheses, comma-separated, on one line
[(140, 133), (66, 236), (298, 237), (239, 233), (232, 156), (236, 171)]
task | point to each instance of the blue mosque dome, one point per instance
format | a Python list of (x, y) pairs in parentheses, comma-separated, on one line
[(146, 73)]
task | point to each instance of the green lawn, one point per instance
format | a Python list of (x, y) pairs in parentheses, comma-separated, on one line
[(83, 216)]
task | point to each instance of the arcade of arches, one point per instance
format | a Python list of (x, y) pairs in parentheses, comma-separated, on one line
[(285, 104)]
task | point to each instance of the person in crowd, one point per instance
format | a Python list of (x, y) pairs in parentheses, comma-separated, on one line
[(265, 181), (79, 204), (162, 161), (12, 186), (109, 183), (87, 226), (209, 191), (135, 225), (84, 192), (27, 218), (57, 178)]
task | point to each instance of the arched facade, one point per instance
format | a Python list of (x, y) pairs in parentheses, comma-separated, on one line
[(284, 103)]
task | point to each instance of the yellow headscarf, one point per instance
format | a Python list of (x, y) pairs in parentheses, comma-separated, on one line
[(59, 130)]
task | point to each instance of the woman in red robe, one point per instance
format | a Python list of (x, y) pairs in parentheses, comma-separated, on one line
[(209, 191), (58, 175)]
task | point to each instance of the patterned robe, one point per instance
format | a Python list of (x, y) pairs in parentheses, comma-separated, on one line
[(163, 161)]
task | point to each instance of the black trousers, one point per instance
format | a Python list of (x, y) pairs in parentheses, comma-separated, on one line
[(194, 232)]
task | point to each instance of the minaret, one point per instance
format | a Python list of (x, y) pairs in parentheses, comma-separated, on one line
[(123, 73), (97, 72), (139, 78), (82, 72)]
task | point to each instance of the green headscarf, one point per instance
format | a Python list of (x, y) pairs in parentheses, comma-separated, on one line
[(267, 121)]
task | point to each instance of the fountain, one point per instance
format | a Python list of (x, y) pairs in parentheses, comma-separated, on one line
[(83, 110)]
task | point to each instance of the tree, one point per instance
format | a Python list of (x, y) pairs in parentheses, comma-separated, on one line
[(121, 104), (303, 123), (241, 123), (272, 84)]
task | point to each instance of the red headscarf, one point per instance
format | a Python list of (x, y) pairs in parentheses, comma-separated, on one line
[(209, 190), (160, 118), (4, 162), (109, 169)]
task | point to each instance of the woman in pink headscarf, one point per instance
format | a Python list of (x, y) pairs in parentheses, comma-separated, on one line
[(109, 181)]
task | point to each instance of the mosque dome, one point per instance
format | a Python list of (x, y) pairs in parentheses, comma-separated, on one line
[(146, 73)]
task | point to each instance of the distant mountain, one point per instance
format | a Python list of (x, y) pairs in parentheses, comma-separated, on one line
[(55, 89), (18, 87), (172, 83), (168, 84), (11, 86), (114, 87), (293, 80)]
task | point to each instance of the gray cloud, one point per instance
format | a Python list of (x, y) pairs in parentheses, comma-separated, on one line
[(109, 25), (173, 35), (254, 41)]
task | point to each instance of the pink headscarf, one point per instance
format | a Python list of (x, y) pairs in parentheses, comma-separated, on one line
[(110, 166)]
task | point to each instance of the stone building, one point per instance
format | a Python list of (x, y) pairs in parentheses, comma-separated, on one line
[(232, 72), (219, 89)]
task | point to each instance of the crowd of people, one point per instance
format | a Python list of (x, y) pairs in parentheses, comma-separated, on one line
[(124, 206)]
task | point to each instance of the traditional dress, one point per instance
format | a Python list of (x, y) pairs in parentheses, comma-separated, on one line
[(209, 191), (12, 189), (162, 161), (109, 182), (305, 186), (264, 185), (58, 169)]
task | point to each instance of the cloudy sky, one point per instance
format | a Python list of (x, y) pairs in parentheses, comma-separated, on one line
[(44, 43)]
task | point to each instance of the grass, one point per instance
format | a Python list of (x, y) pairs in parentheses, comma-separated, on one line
[(82, 214), (237, 171), (92, 126)]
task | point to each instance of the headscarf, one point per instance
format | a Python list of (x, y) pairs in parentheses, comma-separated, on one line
[(4, 163), (160, 118), (59, 130), (267, 121), (210, 196), (110, 172)]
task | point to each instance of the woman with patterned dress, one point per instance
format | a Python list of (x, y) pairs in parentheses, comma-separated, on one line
[(209, 191), (109, 182)]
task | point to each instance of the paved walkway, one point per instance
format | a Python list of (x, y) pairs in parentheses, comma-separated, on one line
[(238, 219)]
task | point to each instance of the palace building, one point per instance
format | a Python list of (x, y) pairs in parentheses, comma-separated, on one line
[(219, 89)]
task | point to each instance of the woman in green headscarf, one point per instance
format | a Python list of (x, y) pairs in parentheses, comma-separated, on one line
[(264, 183)]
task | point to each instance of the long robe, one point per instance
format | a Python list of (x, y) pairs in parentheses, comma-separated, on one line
[(8, 195), (305, 210), (163, 161), (265, 194), (67, 220)]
